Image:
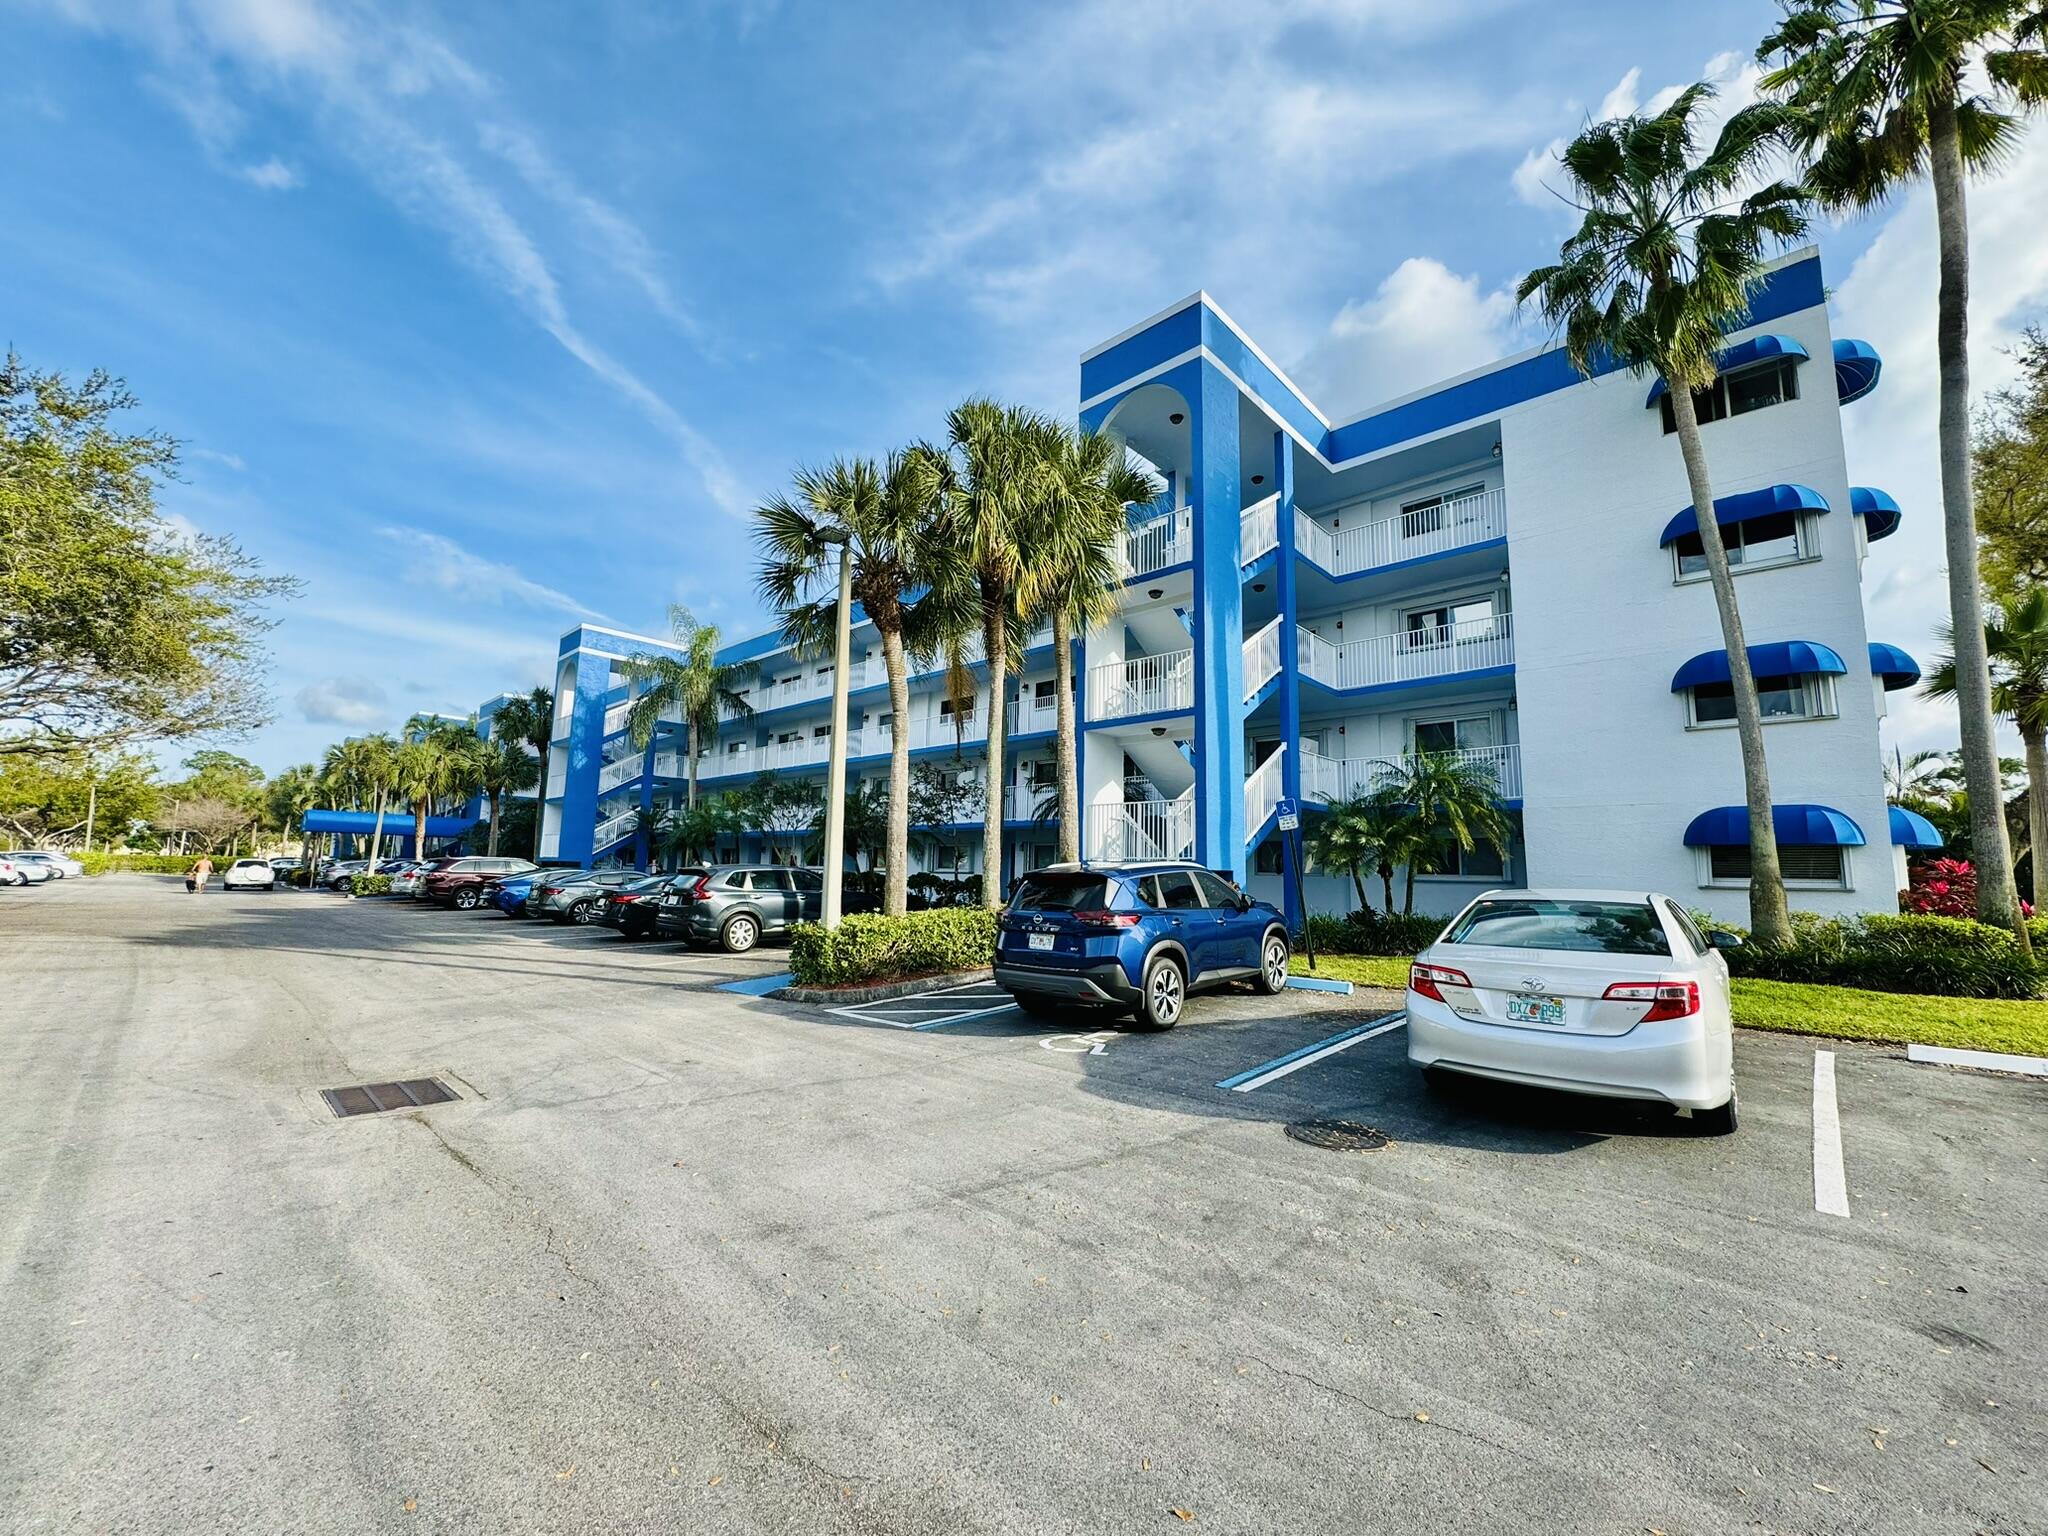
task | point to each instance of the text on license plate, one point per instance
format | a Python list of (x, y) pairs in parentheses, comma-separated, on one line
[(1523, 1009), (1039, 940)]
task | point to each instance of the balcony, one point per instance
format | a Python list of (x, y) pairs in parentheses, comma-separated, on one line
[(1411, 535), (1149, 685), (1410, 655), (778, 755), (1143, 829), (626, 770), (1328, 779), (615, 717), (1261, 658), (804, 687), (1159, 543), (1258, 529)]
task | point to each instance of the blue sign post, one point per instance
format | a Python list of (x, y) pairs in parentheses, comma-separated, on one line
[(1287, 820)]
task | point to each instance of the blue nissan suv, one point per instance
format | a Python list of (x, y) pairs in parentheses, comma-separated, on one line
[(1136, 936)]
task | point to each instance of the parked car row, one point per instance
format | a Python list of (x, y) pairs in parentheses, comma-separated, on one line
[(37, 866)]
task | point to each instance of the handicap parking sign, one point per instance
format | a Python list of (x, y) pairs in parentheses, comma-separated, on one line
[(1287, 815)]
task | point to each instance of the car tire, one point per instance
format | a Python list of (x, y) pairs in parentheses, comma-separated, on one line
[(740, 934), (1719, 1121), (583, 913), (1439, 1080), (1163, 996), (346, 885), (1272, 976), (466, 899)]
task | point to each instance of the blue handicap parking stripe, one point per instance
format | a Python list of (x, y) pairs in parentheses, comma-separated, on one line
[(758, 986)]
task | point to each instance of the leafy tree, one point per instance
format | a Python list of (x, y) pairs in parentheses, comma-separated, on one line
[(2009, 463), (992, 485), (943, 795), (363, 771), (1661, 265), (2016, 643), (530, 718), (692, 832), (212, 822), (780, 808), (1347, 839), (503, 767), (45, 799), (695, 689), (436, 765), (217, 775), (291, 793), (1079, 515), (114, 628), (867, 825), (1881, 95), (1433, 802), (890, 522), (1914, 780)]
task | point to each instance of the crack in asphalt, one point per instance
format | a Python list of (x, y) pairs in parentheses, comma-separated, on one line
[(1386, 1413)]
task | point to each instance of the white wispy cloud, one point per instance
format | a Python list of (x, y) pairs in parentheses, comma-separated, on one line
[(232, 461), (272, 175), (434, 561), (350, 701), (1424, 322)]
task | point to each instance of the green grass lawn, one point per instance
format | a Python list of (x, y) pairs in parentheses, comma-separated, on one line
[(1846, 1013)]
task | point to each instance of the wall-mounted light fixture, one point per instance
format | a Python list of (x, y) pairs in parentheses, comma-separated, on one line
[(1177, 418), (1158, 730), (1155, 593), (1496, 450), (1258, 586), (1258, 479)]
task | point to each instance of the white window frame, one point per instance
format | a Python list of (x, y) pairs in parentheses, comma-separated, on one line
[(1808, 552), (1704, 862), (1818, 689)]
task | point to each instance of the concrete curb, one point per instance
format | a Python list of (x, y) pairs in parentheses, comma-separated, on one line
[(881, 991)]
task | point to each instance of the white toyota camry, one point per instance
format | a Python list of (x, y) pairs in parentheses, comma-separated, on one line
[(249, 875), (1616, 993)]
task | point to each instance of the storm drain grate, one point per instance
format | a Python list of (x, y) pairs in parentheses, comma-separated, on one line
[(1338, 1135), (376, 1098)]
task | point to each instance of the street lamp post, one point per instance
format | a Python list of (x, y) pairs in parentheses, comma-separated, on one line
[(835, 762)]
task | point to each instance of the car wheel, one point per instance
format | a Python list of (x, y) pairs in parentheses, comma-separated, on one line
[(1715, 1122), (1439, 1080), (584, 912), (1163, 995), (740, 934), (466, 899), (1272, 963), (346, 886)]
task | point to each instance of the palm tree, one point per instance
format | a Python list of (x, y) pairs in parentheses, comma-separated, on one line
[(1918, 777), (695, 689), (504, 767), (2016, 643), (365, 769), (995, 481), (1078, 517), (291, 793), (692, 832), (1349, 837), (1880, 95), (530, 717), (1663, 262), (439, 761), (1436, 801), (888, 520)]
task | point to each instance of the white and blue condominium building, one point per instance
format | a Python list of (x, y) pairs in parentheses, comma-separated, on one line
[(1503, 565)]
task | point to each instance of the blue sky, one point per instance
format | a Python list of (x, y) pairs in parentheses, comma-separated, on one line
[(484, 319)]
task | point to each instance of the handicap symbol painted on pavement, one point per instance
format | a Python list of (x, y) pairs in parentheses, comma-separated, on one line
[(1079, 1045)]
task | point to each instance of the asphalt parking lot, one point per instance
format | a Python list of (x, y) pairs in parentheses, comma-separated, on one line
[(680, 1259)]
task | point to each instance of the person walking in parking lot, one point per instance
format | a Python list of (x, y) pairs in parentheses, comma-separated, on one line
[(197, 876)]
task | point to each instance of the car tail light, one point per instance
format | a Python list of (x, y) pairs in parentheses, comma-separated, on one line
[(1426, 979), (1667, 999), (551, 890), (1106, 919), (701, 891)]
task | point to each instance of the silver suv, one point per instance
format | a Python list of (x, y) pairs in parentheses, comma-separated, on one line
[(738, 905)]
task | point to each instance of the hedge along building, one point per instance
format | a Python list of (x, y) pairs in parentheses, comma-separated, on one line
[(1502, 565)]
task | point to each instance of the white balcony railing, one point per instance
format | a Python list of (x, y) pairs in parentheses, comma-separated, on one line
[(1143, 829), (1407, 535), (613, 828), (615, 717), (1258, 529), (1160, 542), (1331, 778), (1322, 778), (1262, 790), (1437, 650), (1149, 685), (1261, 656), (622, 771)]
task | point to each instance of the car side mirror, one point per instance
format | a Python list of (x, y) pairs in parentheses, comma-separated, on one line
[(1721, 938), (1244, 901)]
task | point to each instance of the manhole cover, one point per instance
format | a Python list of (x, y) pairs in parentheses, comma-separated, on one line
[(1338, 1135), (376, 1098)]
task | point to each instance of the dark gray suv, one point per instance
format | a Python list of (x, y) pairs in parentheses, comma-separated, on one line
[(738, 905)]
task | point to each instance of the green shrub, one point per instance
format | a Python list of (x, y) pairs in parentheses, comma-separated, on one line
[(868, 947), (1374, 933), (1937, 956), (371, 885), (99, 862)]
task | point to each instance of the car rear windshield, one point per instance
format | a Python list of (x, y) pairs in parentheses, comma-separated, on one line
[(1599, 927), (1062, 893)]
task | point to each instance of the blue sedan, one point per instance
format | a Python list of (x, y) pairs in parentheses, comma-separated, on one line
[(509, 895), (1142, 937)]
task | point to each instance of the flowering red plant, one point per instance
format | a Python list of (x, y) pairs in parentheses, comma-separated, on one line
[(1944, 887)]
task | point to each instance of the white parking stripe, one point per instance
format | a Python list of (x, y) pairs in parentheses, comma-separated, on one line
[(1830, 1184), (1313, 1054)]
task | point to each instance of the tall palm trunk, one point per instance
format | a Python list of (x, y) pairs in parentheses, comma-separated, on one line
[(995, 643), (896, 889), (1065, 755), (690, 769), (493, 848), (1768, 918), (2034, 738), (419, 828), (376, 834), (1996, 895), (1387, 884)]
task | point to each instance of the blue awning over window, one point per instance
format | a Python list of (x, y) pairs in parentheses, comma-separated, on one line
[(1770, 500), (1783, 658), (1912, 830), (1758, 349), (1794, 826), (1857, 366), (1892, 666), (1879, 512)]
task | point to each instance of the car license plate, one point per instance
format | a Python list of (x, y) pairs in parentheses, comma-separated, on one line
[(671, 900), (1040, 940), (1523, 1009)]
